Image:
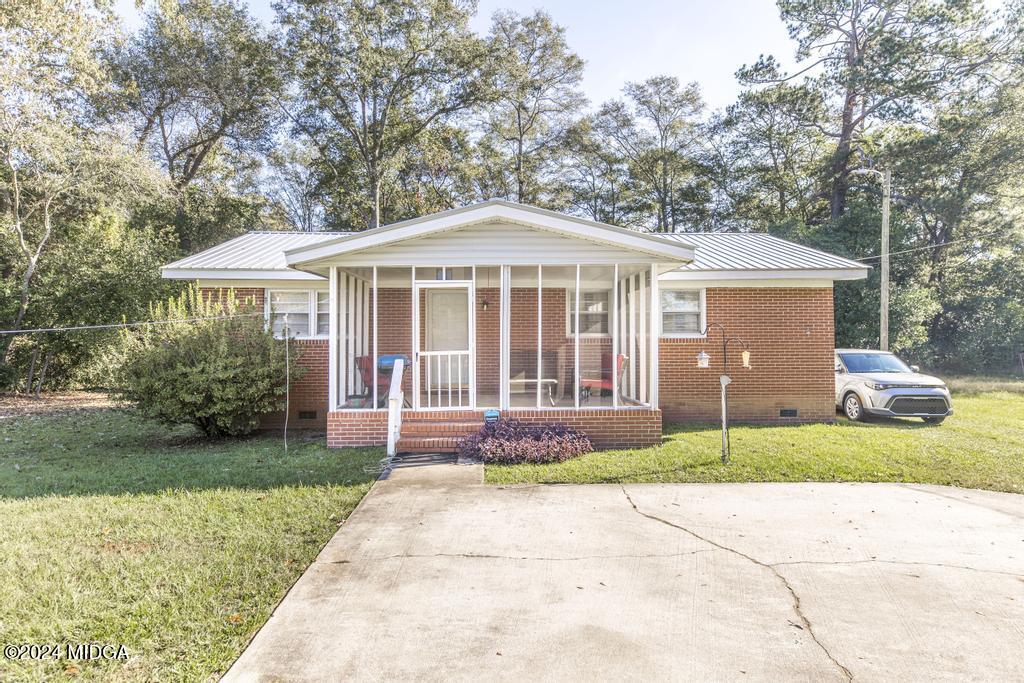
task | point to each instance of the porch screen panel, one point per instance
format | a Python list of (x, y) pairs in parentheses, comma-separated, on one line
[(523, 337), (487, 319), (634, 334), (373, 327), (557, 357), (597, 363)]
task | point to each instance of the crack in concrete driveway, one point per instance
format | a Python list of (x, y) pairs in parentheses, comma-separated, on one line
[(770, 567)]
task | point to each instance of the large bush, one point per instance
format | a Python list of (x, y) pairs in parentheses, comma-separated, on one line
[(511, 441), (211, 364)]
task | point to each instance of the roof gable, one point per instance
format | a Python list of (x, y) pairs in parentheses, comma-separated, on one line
[(494, 211)]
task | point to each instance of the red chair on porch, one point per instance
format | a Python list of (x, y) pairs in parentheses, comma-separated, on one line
[(385, 366), (603, 383)]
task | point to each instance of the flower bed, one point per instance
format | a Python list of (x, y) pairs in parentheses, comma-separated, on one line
[(511, 441)]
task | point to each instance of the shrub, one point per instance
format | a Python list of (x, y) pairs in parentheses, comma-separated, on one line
[(211, 364), (511, 441)]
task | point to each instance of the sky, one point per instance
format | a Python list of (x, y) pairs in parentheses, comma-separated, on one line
[(693, 40)]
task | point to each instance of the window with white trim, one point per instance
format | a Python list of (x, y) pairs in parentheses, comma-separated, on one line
[(682, 312), (594, 312), (308, 312), (323, 314)]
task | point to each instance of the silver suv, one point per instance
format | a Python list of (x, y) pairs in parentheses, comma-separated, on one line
[(878, 383)]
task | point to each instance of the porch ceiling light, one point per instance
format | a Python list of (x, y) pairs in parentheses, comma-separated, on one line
[(703, 360)]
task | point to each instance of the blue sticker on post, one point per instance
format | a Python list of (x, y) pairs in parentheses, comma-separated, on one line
[(491, 416)]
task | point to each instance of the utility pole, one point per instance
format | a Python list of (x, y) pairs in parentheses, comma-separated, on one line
[(884, 321)]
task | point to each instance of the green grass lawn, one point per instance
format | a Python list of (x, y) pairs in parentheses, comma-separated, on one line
[(116, 530), (980, 446)]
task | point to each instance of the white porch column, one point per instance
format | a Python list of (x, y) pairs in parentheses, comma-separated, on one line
[(576, 344), (332, 340), (540, 333), (655, 334), (415, 303), (643, 339), (472, 339), (615, 337), (505, 333), (351, 314), (376, 353)]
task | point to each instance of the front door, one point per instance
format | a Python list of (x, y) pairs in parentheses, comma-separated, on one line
[(443, 359)]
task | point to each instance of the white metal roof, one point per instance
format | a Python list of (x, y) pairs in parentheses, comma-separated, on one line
[(261, 255), (252, 255), (756, 251)]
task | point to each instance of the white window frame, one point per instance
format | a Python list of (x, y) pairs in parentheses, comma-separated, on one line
[(311, 309), (570, 299), (703, 314)]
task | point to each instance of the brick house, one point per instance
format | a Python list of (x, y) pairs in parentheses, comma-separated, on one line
[(478, 308)]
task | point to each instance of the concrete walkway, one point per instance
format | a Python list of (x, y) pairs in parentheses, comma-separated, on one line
[(438, 577)]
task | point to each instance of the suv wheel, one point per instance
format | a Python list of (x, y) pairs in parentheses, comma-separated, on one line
[(853, 408)]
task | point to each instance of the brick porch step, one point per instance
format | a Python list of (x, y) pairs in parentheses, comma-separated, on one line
[(422, 428), (437, 444)]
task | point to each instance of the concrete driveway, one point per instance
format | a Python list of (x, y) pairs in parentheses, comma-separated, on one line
[(437, 577)]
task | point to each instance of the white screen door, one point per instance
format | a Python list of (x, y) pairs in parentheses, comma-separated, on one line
[(444, 356)]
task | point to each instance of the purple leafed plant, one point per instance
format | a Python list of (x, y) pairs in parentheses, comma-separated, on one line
[(511, 442)]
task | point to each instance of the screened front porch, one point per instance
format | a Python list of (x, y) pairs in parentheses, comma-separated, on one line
[(495, 336)]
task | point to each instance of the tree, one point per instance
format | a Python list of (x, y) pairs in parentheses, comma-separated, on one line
[(538, 98), (594, 179), (53, 159), (373, 75), (101, 269), (201, 80), (882, 60), (435, 173), (762, 161), (960, 180), (294, 186), (654, 131)]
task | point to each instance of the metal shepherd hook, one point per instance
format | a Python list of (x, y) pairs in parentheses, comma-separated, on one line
[(704, 361)]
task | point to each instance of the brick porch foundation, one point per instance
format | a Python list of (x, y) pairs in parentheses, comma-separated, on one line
[(607, 428)]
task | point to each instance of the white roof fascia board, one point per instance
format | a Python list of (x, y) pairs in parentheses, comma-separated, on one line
[(263, 284), (495, 211), (780, 283), (812, 274), (235, 274)]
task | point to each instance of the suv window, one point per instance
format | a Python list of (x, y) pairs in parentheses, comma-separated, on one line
[(873, 362)]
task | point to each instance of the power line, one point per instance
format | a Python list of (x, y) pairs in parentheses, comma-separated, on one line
[(929, 246), (112, 326)]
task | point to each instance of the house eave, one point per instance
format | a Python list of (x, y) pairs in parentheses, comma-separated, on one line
[(764, 274), (237, 274)]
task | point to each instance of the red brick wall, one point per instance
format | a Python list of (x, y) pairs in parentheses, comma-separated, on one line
[(357, 428), (308, 393), (395, 313), (488, 329), (607, 428), (791, 336), (244, 296)]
